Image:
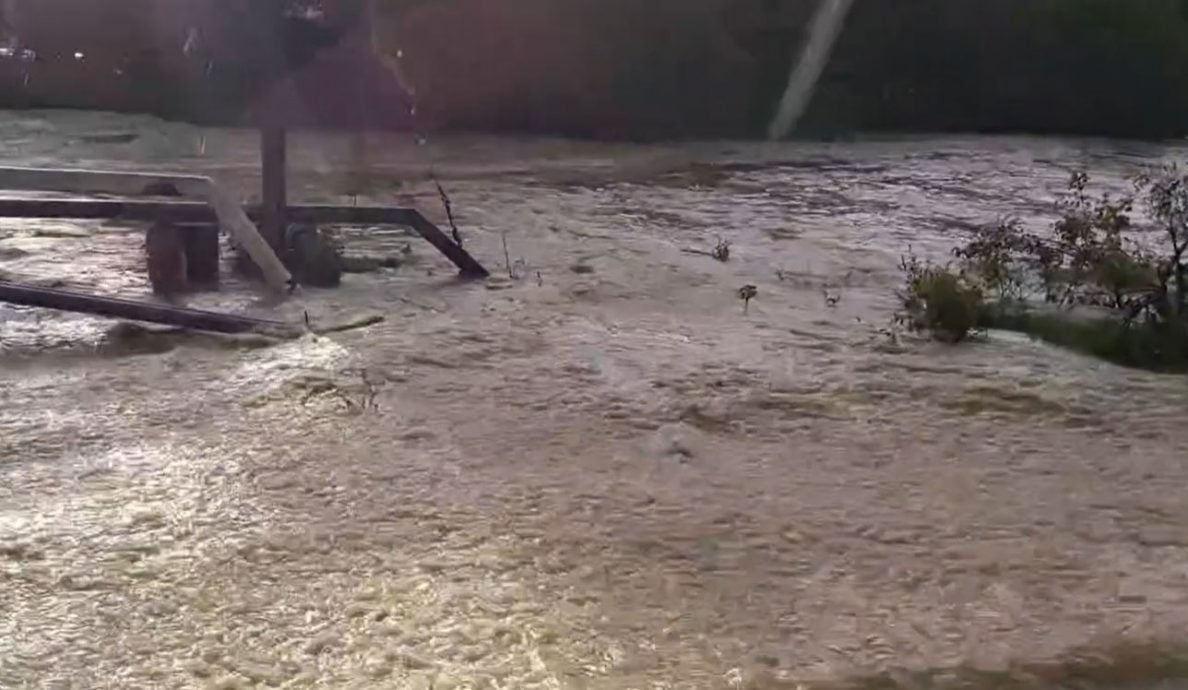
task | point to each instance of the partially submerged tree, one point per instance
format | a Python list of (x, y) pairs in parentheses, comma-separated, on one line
[(1096, 255)]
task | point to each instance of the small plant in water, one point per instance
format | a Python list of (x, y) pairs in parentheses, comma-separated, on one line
[(939, 300), (721, 250), (448, 205), (747, 293), (511, 272)]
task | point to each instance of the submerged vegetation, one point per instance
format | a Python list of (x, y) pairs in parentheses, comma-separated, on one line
[(1100, 282)]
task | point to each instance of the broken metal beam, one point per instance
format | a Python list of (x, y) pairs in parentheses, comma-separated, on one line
[(199, 212), (50, 298)]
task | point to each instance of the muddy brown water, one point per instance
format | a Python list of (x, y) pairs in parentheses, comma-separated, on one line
[(600, 474)]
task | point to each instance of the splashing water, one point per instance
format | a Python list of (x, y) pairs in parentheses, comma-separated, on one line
[(823, 33), (198, 510)]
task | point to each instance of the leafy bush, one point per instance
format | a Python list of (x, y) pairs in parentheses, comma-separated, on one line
[(1096, 255), (939, 300)]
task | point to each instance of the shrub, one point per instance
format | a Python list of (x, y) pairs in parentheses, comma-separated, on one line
[(939, 300), (1092, 257)]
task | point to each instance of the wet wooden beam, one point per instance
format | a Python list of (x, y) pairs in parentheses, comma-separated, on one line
[(200, 242), (274, 184), (446, 245), (50, 298), (199, 212), (105, 209), (224, 206)]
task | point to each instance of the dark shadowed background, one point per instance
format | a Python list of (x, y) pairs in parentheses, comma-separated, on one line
[(633, 68)]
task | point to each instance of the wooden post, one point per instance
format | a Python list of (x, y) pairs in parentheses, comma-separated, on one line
[(274, 204), (200, 242)]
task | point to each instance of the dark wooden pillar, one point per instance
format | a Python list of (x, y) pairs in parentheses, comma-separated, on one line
[(274, 203), (200, 242)]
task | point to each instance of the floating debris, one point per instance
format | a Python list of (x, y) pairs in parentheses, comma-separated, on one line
[(747, 293)]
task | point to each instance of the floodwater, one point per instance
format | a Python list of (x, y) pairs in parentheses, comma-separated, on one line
[(601, 473)]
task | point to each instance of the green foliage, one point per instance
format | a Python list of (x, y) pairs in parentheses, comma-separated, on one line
[(1094, 256), (1000, 256), (1167, 201), (1157, 347), (940, 301), (1096, 263)]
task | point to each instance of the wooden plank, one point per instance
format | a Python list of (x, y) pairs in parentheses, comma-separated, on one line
[(196, 319), (225, 208), (233, 219), (81, 181), (197, 212), (459, 256)]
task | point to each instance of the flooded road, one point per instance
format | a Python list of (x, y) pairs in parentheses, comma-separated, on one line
[(599, 473)]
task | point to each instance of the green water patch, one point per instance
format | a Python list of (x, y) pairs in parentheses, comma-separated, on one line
[(1159, 347)]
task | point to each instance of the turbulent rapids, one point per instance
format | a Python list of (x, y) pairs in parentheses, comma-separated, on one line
[(596, 469)]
